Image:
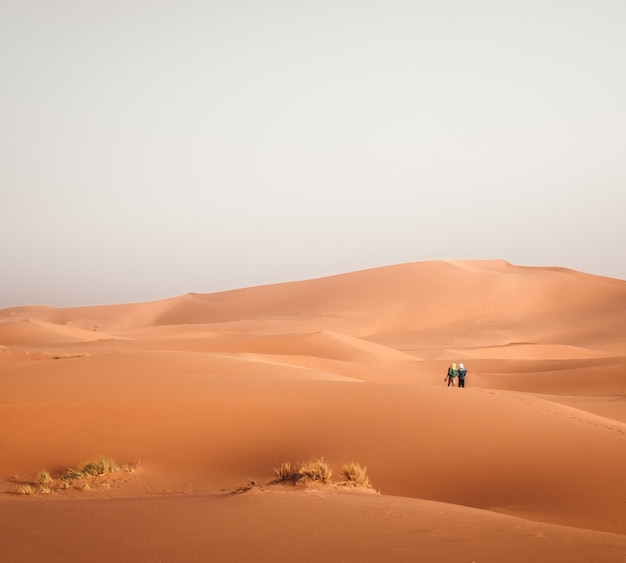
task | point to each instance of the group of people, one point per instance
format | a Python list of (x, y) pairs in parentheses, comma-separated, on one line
[(454, 373)]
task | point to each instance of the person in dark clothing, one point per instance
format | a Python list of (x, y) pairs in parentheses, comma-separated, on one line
[(462, 372)]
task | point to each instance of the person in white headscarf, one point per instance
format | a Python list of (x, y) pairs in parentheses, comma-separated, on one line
[(462, 372)]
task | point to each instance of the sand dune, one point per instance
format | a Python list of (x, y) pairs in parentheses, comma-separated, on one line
[(209, 391), (522, 351), (295, 526), (28, 332)]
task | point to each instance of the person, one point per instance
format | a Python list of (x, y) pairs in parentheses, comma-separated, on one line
[(452, 373), (462, 372)]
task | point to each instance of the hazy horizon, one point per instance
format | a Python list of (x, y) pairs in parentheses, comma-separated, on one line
[(155, 149)]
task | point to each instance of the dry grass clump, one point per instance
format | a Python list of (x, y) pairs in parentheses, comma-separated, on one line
[(24, 490), (79, 477), (314, 471), (248, 486), (317, 471), (67, 356), (355, 476), (130, 467), (101, 466), (284, 473), (44, 478), (72, 473)]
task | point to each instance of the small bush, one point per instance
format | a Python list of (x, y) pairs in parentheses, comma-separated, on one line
[(69, 355), (101, 466), (316, 471), (251, 484), (72, 474), (284, 472), (77, 477), (355, 475), (24, 490), (130, 467), (44, 478)]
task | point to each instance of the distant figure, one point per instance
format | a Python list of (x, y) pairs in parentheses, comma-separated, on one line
[(462, 371), (452, 373)]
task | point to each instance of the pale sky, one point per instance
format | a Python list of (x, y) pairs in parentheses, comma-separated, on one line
[(151, 148)]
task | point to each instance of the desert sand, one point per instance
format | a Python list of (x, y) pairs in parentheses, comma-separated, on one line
[(201, 397)]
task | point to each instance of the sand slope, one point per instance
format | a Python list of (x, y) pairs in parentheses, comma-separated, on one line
[(292, 526), (208, 391)]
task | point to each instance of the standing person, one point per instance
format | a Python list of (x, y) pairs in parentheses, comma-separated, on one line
[(452, 373), (462, 371)]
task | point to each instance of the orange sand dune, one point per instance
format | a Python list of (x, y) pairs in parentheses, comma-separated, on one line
[(29, 332), (207, 392), (287, 525), (534, 352)]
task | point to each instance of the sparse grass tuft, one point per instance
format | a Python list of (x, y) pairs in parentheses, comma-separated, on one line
[(130, 467), (355, 475), (317, 471), (251, 484), (284, 473), (24, 490), (72, 474), (70, 355), (81, 478), (314, 471), (102, 466), (44, 478)]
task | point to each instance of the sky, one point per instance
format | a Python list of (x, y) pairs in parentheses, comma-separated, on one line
[(149, 149)]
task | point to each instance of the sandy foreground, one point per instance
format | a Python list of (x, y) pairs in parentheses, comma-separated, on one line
[(202, 396)]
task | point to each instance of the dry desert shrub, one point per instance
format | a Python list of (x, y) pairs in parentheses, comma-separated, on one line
[(44, 478), (130, 467), (72, 473), (79, 477), (284, 473), (315, 471), (68, 356), (354, 475), (24, 490), (101, 466), (248, 486)]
